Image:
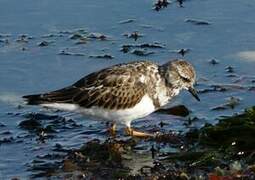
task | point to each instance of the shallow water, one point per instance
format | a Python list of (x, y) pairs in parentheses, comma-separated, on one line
[(27, 68)]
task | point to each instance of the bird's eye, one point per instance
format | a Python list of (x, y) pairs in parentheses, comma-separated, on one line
[(185, 79)]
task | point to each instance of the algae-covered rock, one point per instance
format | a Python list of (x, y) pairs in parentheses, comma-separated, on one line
[(98, 160), (239, 129)]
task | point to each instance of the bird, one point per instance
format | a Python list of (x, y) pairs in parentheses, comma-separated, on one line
[(122, 93)]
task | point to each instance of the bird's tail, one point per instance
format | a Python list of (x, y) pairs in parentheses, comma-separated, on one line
[(34, 99), (60, 96)]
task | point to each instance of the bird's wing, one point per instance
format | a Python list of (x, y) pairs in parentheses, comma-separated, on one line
[(118, 87)]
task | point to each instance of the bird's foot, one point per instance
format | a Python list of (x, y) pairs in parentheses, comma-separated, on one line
[(139, 134)]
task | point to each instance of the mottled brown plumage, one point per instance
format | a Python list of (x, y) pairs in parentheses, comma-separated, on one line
[(117, 87)]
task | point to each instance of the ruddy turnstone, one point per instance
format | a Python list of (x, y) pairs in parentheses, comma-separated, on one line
[(123, 92)]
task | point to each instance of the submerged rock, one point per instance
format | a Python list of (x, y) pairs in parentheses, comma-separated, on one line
[(231, 103), (5, 35), (127, 21), (144, 45), (214, 61), (182, 51), (141, 52), (30, 124), (180, 110), (103, 56), (76, 36), (64, 52), (161, 4), (197, 22), (229, 69), (43, 43), (2, 125), (97, 36), (222, 88), (134, 35)]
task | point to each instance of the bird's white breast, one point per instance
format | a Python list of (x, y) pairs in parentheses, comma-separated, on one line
[(122, 116)]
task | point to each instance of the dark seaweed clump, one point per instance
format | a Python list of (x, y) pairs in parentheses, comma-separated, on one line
[(224, 150)]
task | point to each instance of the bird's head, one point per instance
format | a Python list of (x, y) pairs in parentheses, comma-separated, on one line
[(180, 74)]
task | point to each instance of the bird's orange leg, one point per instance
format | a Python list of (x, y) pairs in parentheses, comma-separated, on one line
[(112, 129), (139, 134)]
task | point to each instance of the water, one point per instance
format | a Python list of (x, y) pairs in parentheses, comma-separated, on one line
[(26, 68)]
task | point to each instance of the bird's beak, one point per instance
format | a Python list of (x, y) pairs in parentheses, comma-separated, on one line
[(193, 91)]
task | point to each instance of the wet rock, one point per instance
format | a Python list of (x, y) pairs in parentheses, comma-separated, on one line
[(229, 69), (24, 38), (66, 32), (64, 52), (76, 36), (41, 116), (144, 45), (243, 79), (2, 125), (180, 110), (51, 156), (102, 159), (147, 26), (160, 4), (231, 103), (43, 169), (30, 124), (6, 133), (180, 2), (127, 21), (208, 90), (134, 35), (125, 49), (214, 61), (252, 88), (24, 49), (151, 45), (45, 126), (43, 43), (197, 22), (227, 87), (238, 129), (59, 148), (141, 52), (183, 51), (222, 88), (36, 127), (170, 138), (5, 35), (82, 39), (103, 56), (140, 49), (97, 36), (5, 41), (69, 166), (232, 75), (6, 140)]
